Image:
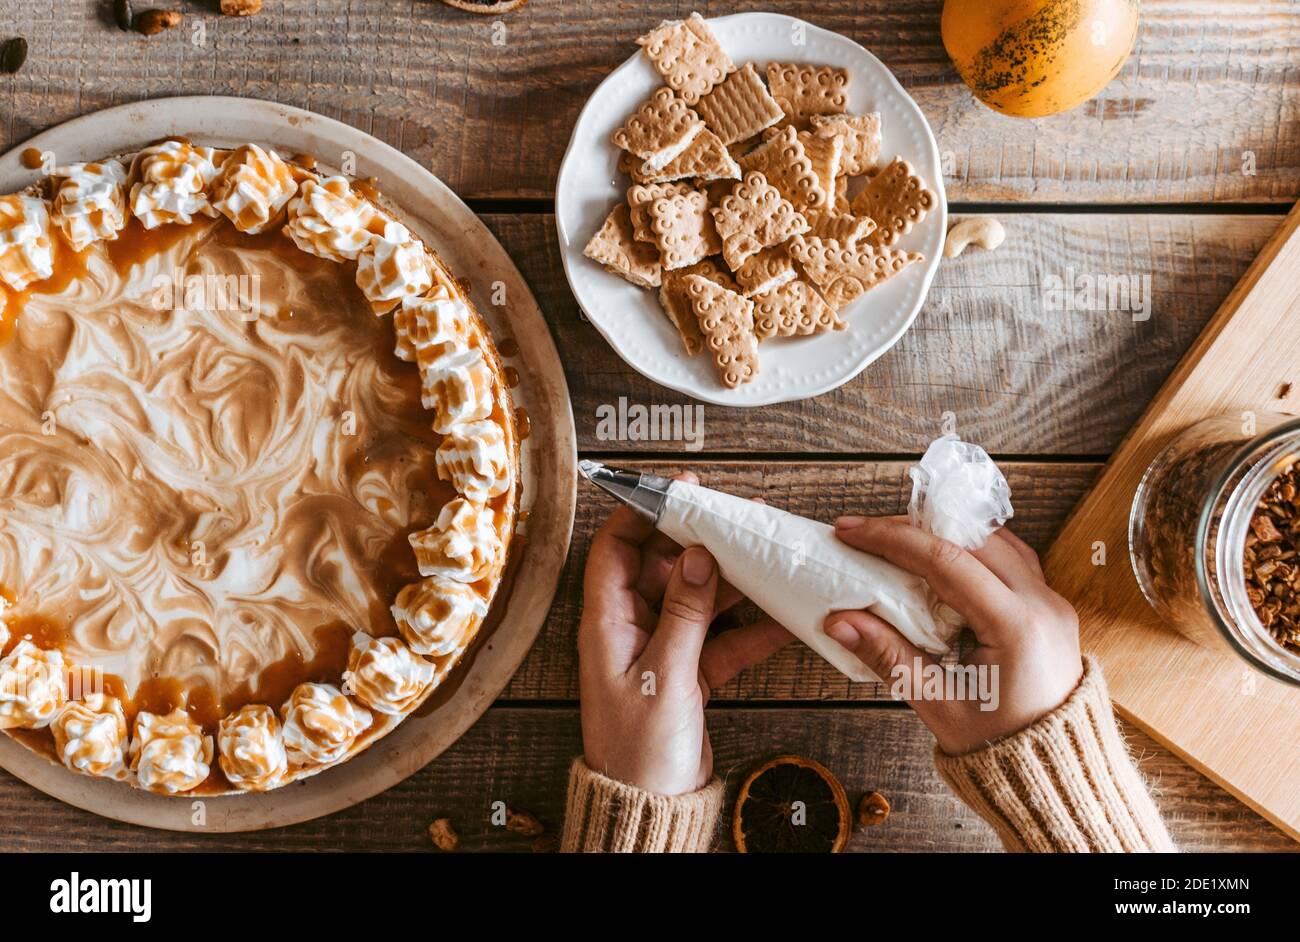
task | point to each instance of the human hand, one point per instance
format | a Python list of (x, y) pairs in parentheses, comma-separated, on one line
[(1022, 626), (645, 666)]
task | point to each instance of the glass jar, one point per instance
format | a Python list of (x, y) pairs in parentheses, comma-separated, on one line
[(1188, 526)]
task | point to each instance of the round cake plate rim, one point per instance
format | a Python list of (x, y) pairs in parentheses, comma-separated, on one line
[(436, 213)]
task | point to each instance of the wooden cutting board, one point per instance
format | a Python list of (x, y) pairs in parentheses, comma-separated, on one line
[(1239, 727)]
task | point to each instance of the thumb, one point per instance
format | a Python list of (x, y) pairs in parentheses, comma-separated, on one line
[(880, 646), (685, 614)]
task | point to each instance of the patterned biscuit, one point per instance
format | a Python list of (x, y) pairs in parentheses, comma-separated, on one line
[(897, 199), (754, 216), (793, 309), (677, 305), (660, 129), (844, 274), (782, 160), (861, 136), (805, 90), (825, 154), (705, 160), (639, 198), (683, 229), (688, 56), (727, 323), (764, 271), (739, 108), (615, 247), (844, 228)]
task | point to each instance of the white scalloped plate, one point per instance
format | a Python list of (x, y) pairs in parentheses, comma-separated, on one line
[(548, 469), (630, 318)]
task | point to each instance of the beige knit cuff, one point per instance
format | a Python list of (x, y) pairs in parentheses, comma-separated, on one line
[(1067, 783), (605, 815)]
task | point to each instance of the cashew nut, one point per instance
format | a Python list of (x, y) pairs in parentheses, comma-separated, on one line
[(984, 231)]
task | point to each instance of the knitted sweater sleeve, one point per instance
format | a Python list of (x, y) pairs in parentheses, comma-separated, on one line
[(605, 815), (1066, 783)]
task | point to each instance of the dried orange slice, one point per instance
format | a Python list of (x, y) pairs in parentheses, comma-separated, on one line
[(791, 805)]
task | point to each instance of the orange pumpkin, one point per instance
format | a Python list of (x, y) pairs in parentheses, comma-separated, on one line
[(1031, 58)]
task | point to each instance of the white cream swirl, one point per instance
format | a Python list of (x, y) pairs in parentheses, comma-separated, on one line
[(170, 754), (438, 616), (328, 220), (394, 266), (89, 202), (457, 388), (385, 675), (252, 188), (33, 687), (26, 252), (321, 724), (172, 180), (462, 545), (90, 736), (245, 476), (252, 748), (474, 458)]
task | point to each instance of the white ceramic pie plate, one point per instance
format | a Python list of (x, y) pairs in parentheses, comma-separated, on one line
[(630, 318), (549, 455)]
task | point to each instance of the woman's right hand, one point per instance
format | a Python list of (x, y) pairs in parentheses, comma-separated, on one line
[(1022, 626)]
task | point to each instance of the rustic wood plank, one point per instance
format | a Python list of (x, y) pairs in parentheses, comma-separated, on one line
[(1199, 699), (1042, 493), (1016, 376), (1205, 109), (521, 757)]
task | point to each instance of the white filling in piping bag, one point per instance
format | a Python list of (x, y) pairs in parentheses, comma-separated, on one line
[(798, 572)]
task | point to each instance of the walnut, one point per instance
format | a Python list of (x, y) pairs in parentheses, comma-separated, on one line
[(1272, 559), (241, 7), (443, 835), (521, 822), (152, 22), (873, 809)]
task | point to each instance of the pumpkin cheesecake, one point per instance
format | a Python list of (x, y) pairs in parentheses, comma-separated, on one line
[(259, 469)]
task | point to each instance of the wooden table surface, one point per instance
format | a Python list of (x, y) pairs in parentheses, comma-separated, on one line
[(1177, 173)]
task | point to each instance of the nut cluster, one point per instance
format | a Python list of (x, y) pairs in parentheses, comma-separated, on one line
[(1272, 559)]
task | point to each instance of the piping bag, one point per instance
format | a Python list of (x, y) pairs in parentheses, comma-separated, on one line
[(798, 572)]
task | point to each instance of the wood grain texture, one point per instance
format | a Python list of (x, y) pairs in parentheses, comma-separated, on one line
[(1196, 699), (1204, 110), (1017, 376), (521, 757), (1041, 493)]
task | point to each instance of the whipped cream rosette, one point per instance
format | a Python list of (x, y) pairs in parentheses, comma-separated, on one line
[(33, 686), (252, 188), (392, 267), (252, 750), (244, 417), (462, 545), (26, 253), (475, 459), (439, 324), (172, 181), (329, 220), (170, 753), (438, 616), (385, 675), (90, 736), (458, 388), (89, 202), (321, 724)]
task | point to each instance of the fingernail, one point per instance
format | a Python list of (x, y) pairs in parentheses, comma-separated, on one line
[(849, 523), (697, 566), (842, 632)]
